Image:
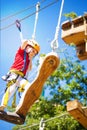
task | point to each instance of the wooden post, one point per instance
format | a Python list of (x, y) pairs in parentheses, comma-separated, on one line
[(81, 51), (76, 110)]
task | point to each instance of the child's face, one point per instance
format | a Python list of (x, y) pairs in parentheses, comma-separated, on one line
[(31, 51)]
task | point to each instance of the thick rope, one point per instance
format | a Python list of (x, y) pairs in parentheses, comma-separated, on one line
[(36, 19), (54, 43)]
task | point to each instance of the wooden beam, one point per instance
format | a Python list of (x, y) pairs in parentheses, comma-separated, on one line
[(33, 92), (76, 110)]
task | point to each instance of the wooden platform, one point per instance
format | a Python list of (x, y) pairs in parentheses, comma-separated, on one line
[(76, 110), (11, 117), (75, 31)]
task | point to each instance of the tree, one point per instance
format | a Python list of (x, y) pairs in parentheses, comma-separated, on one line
[(68, 82), (55, 117)]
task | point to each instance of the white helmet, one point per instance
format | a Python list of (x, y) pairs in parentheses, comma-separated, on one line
[(34, 44)]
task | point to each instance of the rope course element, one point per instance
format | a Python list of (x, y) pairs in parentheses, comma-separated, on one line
[(10, 16), (54, 43), (36, 19), (85, 107), (78, 111), (44, 121), (46, 6), (18, 24), (19, 12)]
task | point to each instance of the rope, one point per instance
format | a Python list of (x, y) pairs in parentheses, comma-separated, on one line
[(50, 4), (85, 107), (36, 19), (44, 121), (54, 43), (18, 24), (56, 117)]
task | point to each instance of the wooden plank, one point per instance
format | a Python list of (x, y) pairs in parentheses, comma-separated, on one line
[(76, 110), (74, 35), (33, 92), (12, 117)]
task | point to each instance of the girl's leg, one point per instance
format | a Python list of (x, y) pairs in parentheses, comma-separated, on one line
[(8, 94)]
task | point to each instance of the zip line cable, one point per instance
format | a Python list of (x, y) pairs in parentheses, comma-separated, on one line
[(19, 12), (10, 16), (55, 1), (50, 4)]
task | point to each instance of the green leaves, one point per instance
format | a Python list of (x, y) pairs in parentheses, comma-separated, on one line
[(68, 82), (71, 15)]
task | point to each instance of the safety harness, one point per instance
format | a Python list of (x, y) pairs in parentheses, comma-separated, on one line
[(12, 80), (18, 73)]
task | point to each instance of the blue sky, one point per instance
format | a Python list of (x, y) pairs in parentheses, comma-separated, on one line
[(47, 22)]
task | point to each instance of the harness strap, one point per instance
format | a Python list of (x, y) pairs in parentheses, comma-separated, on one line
[(11, 82), (17, 72), (24, 61)]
